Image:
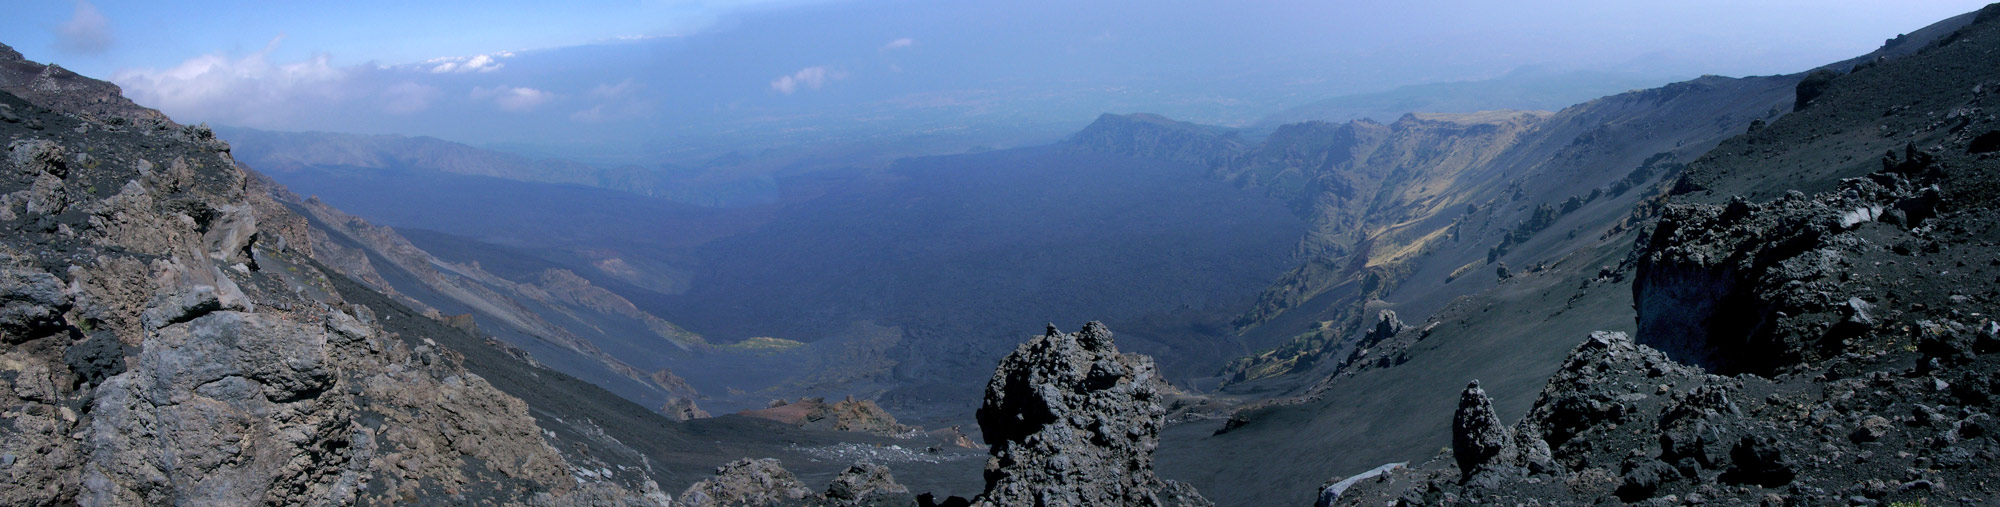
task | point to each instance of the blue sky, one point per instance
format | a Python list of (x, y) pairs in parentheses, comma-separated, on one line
[(595, 75), (161, 34)]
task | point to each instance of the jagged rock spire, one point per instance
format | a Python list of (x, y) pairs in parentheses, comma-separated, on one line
[(1478, 438), (1073, 422)]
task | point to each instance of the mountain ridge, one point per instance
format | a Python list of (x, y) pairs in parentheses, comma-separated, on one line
[(1386, 201)]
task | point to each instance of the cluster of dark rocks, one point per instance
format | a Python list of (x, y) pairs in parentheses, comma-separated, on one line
[(1624, 422)]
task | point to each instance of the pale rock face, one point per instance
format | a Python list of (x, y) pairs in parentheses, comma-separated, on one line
[(216, 406), (683, 409), (30, 303), (864, 483), (747, 482)]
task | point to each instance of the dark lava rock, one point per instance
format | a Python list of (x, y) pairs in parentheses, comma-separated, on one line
[(1477, 435), (1760, 461), (1986, 143), (1643, 479), (1812, 86), (1073, 422)]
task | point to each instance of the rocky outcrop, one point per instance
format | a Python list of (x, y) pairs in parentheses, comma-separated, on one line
[(565, 286), (846, 415), (1622, 421), (1812, 86), (1366, 349), (683, 409), (1478, 439), (1751, 287), (1073, 422), (1156, 137), (766, 482), (557, 307), (747, 482), (680, 404), (867, 484), (58, 88), (162, 342), (674, 384)]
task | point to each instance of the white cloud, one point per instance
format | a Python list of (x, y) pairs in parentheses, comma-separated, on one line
[(513, 99), (249, 91), (463, 64), (254, 91), (87, 32), (899, 44), (595, 114), (810, 78), (614, 91)]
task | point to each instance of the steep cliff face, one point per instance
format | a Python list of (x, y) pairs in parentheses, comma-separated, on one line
[(1437, 205), (1457, 199), (558, 316), (1434, 206), (1368, 191), (166, 341)]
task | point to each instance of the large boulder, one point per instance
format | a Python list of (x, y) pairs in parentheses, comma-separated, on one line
[(867, 484), (1073, 422), (1478, 438), (747, 482)]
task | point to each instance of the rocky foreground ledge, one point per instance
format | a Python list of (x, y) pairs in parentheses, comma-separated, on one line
[(1838, 348), (165, 338)]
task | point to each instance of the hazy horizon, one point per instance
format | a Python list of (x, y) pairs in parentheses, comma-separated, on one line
[(634, 79)]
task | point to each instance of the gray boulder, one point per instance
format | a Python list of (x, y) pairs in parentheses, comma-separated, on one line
[(747, 482), (1073, 422), (1478, 438), (867, 484)]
